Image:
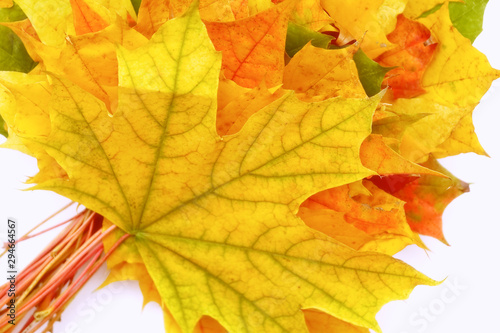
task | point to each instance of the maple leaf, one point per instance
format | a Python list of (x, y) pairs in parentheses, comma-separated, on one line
[(152, 15), (90, 60), (298, 36), (159, 171), (25, 110), (366, 20), (380, 219), (51, 20), (467, 17), (318, 74), (426, 197), (232, 117), (371, 74), (13, 54), (449, 98), (413, 54), (259, 53), (375, 214), (54, 20), (85, 18), (202, 158)]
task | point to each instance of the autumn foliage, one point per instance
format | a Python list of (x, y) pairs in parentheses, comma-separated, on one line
[(253, 164)]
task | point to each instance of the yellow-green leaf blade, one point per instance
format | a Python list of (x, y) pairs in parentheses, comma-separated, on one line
[(127, 161), (193, 200), (371, 74), (467, 17), (13, 54), (262, 286), (3, 129), (298, 36)]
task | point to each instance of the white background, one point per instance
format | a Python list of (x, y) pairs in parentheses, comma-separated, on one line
[(467, 302)]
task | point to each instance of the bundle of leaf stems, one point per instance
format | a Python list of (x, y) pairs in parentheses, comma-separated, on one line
[(47, 285)]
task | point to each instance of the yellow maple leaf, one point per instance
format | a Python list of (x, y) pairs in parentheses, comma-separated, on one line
[(462, 139), (366, 20), (321, 74), (455, 80), (25, 101), (232, 117), (378, 156), (52, 20), (90, 60), (192, 199)]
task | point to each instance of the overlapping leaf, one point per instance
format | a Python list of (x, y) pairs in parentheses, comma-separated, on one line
[(13, 54), (413, 53), (453, 90), (426, 197), (369, 21), (260, 40), (317, 73), (203, 168), (230, 200), (319, 322)]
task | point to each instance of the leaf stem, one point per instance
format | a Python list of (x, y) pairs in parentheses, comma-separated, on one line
[(54, 277)]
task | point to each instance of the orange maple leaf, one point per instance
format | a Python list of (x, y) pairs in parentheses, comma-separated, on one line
[(413, 53)]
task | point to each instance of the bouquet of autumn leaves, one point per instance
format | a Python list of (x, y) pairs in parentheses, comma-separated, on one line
[(253, 164)]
